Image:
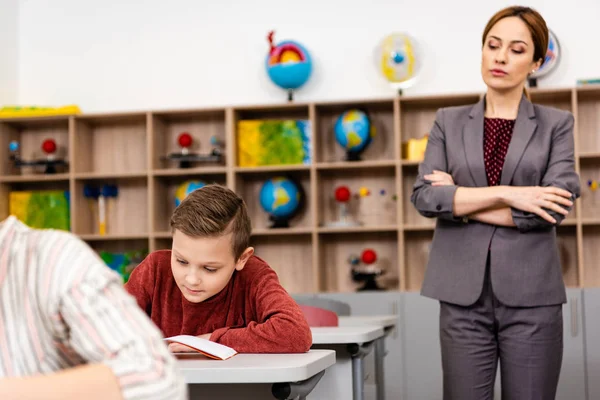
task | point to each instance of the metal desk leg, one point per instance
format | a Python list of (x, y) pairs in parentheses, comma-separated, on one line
[(358, 353), (294, 390), (379, 370)]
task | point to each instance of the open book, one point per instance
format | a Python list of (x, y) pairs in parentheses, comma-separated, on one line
[(210, 349)]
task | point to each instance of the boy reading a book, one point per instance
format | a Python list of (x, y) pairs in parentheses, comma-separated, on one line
[(211, 285)]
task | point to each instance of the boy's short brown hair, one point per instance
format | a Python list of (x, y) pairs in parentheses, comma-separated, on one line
[(211, 211)]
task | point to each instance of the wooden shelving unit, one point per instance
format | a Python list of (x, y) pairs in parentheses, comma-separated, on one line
[(126, 149)]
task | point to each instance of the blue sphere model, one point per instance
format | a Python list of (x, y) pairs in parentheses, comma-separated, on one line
[(185, 189), (281, 198), (13, 146)]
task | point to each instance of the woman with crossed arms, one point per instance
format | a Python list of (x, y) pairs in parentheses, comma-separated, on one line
[(499, 176)]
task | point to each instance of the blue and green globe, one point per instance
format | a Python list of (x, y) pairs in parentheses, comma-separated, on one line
[(281, 198), (186, 188), (353, 132)]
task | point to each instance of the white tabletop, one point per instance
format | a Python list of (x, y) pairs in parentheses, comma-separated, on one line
[(255, 368), (385, 321), (346, 334)]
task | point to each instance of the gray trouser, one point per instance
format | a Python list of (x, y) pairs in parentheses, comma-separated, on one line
[(528, 342)]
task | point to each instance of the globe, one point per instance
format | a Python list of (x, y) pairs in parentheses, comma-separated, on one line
[(288, 64), (398, 61), (551, 57), (281, 198), (186, 188), (353, 132)]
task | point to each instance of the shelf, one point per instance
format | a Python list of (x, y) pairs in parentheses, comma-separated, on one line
[(336, 249), (164, 191), (557, 98), (417, 115), (126, 215), (272, 168), (381, 116), (359, 229), (281, 231), (30, 134), (201, 125), (110, 144), (567, 249), (589, 155), (290, 257), (34, 178), (106, 238), (127, 149), (411, 216), (422, 227), (589, 169), (411, 163), (591, 254), (588, 121), (110, 176), (120, 245), (356, 164), (416, 255), (162, 235), (210, 170), (379, 208)]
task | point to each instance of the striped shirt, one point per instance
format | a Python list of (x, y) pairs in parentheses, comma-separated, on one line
[(61, 306)]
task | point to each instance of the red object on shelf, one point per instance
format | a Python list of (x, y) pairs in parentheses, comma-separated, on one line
[(49, 146), (369, 256), (342, 194), (185, 140)]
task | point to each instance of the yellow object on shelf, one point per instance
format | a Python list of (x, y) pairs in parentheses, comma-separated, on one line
[(35, 111), (414, 149)]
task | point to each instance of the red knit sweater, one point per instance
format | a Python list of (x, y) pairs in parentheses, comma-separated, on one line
[(252, 314)]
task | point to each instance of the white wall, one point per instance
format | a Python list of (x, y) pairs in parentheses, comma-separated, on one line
[(150, 54), (8, 46)]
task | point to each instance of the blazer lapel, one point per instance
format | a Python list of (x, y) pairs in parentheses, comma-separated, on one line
[(473, 143), (523, 130)]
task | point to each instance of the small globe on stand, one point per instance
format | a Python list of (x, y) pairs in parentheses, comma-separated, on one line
[(354, 132), (184, 189), (282, 198)]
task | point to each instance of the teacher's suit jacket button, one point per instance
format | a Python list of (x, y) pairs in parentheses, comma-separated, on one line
[(439, 207)]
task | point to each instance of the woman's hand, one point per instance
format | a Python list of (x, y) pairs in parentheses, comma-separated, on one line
[(439, 178), (537, 200), (179, 348)]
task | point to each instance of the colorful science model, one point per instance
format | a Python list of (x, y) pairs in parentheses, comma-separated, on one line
[(354, 132), (51, 162), (273, 142), (282, 198), (123, 263), (185, 157), (186, 188), (343, 197), (37, 111), (551, 60), (288, 64), (365, 270), (398, 61), (102, 195), (45, 209)]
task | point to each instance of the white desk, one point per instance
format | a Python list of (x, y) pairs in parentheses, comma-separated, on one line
[(384, 321), (358, 341), (288, 375), (387, 322)]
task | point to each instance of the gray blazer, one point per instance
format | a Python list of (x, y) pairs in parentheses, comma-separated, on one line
[(524, 260)]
